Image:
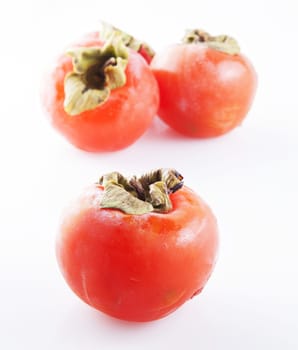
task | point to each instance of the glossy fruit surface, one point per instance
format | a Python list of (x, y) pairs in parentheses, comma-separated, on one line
[(115, 123), (204, 92), (137, 267)]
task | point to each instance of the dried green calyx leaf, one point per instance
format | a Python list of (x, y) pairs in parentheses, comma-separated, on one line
[(148, 193), (222, 43), (96, 71), (108, 30)]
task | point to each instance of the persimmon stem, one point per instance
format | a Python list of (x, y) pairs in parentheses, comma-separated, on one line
[(140, 195), (222, 43)]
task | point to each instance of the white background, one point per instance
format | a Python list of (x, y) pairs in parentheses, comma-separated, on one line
[(249, 178)]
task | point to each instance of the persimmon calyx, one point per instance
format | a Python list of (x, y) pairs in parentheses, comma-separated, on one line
[(140, 195), (222, 43), (96, 71), (108, 30)]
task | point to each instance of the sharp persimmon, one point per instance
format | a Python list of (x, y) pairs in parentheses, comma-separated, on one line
[(137, 248)]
